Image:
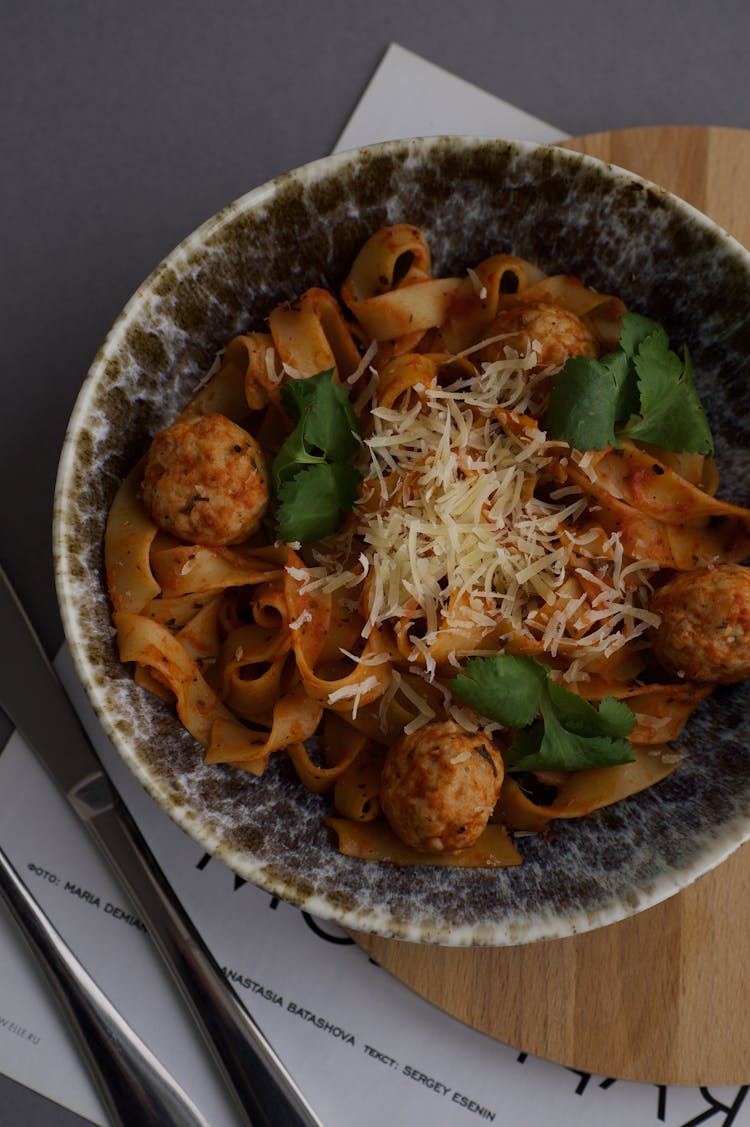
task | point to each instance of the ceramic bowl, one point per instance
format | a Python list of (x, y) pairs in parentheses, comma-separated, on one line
[(473, 198)]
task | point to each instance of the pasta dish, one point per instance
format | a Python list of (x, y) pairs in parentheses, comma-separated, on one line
[(451, 546)]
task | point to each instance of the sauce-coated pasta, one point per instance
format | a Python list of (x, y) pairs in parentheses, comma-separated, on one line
[(474, 533)]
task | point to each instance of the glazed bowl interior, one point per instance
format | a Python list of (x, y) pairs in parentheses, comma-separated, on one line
[(473, 198)]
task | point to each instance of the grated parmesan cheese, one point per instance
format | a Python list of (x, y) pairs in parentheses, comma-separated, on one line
[(370, 659), (274, 375), (364, 363), (461, 757), (347, 691), (456, 535), (353, 693)]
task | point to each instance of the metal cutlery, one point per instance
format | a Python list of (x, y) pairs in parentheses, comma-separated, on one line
[(34, 699), (134, 1086)]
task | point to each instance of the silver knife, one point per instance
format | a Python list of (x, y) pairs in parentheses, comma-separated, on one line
[(34, 699)]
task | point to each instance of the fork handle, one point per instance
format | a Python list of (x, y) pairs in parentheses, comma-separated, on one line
[(133, 1085)]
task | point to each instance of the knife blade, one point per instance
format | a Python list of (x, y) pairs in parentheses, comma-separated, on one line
[(33, 698)]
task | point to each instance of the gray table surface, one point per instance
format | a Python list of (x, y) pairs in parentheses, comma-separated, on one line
[(123, 126)]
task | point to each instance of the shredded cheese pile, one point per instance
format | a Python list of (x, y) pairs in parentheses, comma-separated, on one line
[(456, 537)]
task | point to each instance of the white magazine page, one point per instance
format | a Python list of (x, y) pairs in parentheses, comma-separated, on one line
[(364, 1048), (409, 97)]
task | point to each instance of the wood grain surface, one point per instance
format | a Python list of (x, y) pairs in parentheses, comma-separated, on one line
[(663, 996)]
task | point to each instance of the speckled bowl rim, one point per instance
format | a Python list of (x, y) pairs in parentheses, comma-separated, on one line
[(542, 925)]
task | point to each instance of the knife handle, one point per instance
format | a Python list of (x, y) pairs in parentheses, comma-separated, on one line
[(134, 1086)]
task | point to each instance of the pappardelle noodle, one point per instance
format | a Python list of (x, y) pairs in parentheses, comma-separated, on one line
[(473, 624)]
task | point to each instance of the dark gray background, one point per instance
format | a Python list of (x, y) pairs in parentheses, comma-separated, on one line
[(124, 125)]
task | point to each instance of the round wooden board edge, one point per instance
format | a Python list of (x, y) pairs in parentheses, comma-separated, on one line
[(449, 977)]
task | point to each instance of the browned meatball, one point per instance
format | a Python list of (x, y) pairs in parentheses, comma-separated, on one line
[(206, 481), (705, 624), (559, 333), (439, 786)]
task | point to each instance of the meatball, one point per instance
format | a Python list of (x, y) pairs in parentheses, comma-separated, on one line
[(559, 333), (704, 632), (439, 786), (206, 481)]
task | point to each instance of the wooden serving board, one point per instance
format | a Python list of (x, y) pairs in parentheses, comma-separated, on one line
[(663, 996)]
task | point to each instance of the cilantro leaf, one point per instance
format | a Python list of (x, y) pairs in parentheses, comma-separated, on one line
[(635, 329), (582, 405), (671, 414), (325, 425), (558, 750), (299, 395), (627, 399), (291, 457), (612, 718), (525, 747), (312, 501), (312, 480), (588, 398), (503, 688), (570, 735), (331, 423), (641, 381), (619, 719)]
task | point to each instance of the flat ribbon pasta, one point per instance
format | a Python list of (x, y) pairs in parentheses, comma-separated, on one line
[(357, 788), (393, 256), (312, 336), (177, 611), (249, 379), (295, 717), (389, 302), (409, 309), (474, 305), (582, 792), (474, 534), (186, 569), (365, 683), (375, 841), (147, 642), (224, 393), (661, 711), (250, 670), (127, 545), (659, 514)]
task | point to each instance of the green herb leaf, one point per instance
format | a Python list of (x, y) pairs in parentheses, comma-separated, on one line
[(612, 718), (560, 750), (671, 414), (329, 422), (503, 688), (642, 381), (292, 456), (582, 405), (312, 501), (571, 735), (635, 329), (299, 395), (627, 399), (312, 481)]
